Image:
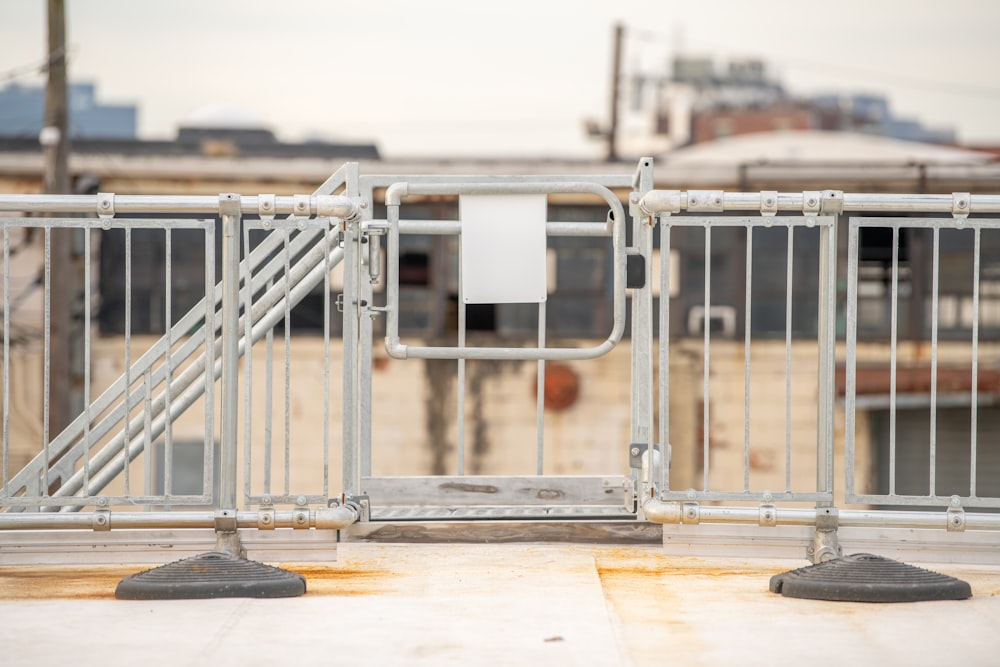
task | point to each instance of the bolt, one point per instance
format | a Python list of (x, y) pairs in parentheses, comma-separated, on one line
[(301, 500), (266, 500), (635, 451), (302, 224), (693, 201), (266, 518), (101, 520), (363, 204), (717, 200), (962, 203), (768, 497), (266, 205), (102, 502), (768, 222), (812, 201), (267, 224), (106, 224), (956, 501), (105, 204), (811, 222), (634, 197), (769, 202), (691, 494), (767, 516)]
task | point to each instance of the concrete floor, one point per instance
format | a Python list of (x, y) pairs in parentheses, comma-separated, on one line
[(403, 604)]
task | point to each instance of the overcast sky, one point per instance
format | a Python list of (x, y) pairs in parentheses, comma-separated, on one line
[(506, 77)]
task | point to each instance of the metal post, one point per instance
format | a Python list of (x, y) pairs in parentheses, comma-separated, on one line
[(227, 539), (642, 327)]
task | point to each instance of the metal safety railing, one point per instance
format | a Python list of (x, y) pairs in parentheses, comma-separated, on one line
[(776, 389)]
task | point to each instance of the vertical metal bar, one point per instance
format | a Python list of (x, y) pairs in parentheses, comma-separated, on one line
[(365, 355), (87, 277), (932, 463), (747, 328), (128, 348), (974, 425), (6, 360), (229, 207), (268, 403), (352, 188), (706, 358), (540, 398), (147, 427), (642, 343), (326, 362), (168, 455), (789, 277), (851, 362), (827, 343), (665, 269), (351, 436), (460, 381), (208, 472), (288, 362), (248, 373), (892, 359), (48, 362)]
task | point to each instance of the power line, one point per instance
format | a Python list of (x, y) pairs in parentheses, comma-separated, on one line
[(38, 67)]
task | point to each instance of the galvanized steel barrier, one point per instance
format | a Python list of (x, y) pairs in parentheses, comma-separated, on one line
[(289, 249)]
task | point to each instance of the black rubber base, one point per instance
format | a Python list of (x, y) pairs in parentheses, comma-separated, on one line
[(211, 575), (868, 578)]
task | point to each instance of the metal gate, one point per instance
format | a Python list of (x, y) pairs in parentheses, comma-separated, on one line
[(226, 363)]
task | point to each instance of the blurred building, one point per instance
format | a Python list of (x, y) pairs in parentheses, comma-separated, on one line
[(22, 113), (699, 101)]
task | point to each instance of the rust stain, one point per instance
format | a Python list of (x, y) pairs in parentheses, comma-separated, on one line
[(61, 583), (99, 583), (323, 580), (469, 488)]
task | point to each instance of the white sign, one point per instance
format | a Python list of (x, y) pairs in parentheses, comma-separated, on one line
[(503, 248)]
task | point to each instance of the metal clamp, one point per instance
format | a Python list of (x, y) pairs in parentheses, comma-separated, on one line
[(225, 521), (832, 202), (102, 519), (705, 201), (266, 206), (301, 205), (768, 515), (811, 202), (300, 518), (956, 516), (265, 518), (768, 202), (961, 204), (105, 204), (690, 513)]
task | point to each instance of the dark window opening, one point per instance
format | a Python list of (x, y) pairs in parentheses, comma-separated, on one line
[(478, 316), (414, 269)]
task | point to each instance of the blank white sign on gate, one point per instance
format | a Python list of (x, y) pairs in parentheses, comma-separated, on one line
[(503, 248)]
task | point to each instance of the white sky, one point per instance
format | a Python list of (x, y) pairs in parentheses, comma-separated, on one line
[(510, 77)]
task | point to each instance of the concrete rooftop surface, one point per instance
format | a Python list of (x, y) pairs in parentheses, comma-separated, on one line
[(482, 604)]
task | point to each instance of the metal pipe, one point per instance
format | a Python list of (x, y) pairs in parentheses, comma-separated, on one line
[(327, 518), (658, 511), (656, 202), (299, 205)]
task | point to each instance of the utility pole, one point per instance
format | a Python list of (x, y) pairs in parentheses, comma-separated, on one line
[(55, 180), (616, 75)]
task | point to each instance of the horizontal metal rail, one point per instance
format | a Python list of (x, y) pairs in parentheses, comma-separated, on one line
[(110, 204), (657, 202)]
